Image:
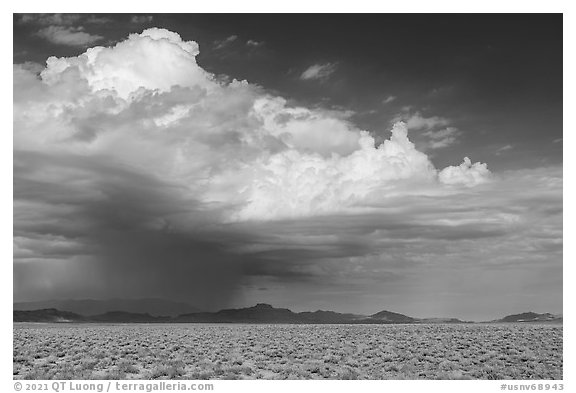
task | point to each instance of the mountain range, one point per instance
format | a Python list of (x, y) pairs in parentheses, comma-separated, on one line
[(260, 313), (88, 307), (532, 317)]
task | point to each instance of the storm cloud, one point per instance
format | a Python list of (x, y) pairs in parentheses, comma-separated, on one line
[(137, 173)]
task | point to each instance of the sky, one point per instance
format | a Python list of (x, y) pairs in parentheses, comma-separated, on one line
[(355, 163)]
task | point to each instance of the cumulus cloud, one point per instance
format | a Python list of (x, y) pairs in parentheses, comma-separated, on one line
[(71, 36), (330, 185), (466, 174), (318, 71), (133, 158), (128, 66), (233, 145)]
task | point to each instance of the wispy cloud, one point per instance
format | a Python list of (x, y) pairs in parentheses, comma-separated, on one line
[(63, 19), (442, 138), (51, 19), (141, 19), (502, 149), (220, 44), (436, 129), (318, 71), (71, 36), (96, 19), (415, 121), (388, 100), (65, 29), (254, 43)]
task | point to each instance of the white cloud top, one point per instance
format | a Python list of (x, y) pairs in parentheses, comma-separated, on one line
[(145, 103), (467, 174), (157, 59)]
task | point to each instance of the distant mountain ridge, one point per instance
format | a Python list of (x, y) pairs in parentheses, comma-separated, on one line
[(87, 307), (260, 313), (531, 317), (392, 317), (46, 315)]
